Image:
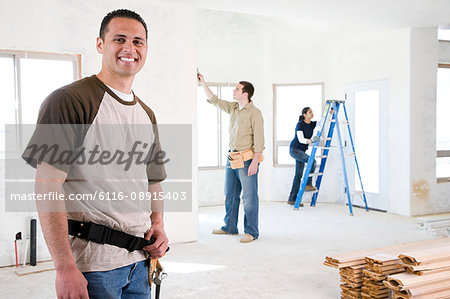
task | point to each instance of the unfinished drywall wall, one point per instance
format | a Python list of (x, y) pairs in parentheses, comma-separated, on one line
[(166, 83), (262, 50), (278, 51), (372, 56), (443, 189), (427, 196)]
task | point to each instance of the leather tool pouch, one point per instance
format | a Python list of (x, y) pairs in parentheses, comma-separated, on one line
[(249, 154), (236, 160)]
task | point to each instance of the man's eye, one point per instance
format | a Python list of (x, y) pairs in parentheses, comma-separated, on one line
[(137, 42), (120, 40)]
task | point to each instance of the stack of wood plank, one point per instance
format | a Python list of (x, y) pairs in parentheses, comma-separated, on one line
[(378, 267), (352, 281), (437, 225), (428, 273), (364, 272)]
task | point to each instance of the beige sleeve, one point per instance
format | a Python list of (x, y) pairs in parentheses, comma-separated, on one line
[(222, 105), (258, 132)]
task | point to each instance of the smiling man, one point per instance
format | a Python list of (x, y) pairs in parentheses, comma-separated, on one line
[(100, 248)]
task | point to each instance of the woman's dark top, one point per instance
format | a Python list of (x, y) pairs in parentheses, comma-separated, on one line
[(307, 133)]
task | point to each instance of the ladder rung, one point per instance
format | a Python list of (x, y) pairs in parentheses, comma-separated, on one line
[(328, 138), (315, 174), (356, 193), (315, 191), (321, 156), (342, 122), (325, 147), (349, 154)]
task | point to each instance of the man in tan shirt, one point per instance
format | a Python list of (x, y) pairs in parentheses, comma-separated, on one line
[(246, 133)]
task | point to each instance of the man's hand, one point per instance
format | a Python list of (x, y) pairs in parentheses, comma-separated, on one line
[(200, 79), (157, 249), (253, 168), (70, 284)]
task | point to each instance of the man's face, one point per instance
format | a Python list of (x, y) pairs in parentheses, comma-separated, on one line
[(237, 92), (124, 47)]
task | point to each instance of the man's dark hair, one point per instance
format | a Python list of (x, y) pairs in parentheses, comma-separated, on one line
[(121, 13), (248, 88)]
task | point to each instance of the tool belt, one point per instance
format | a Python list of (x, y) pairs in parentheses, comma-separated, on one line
[(237, 158), (105, 235)]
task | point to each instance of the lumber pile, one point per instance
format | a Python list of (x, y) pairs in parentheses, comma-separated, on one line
[(366, 273), (378, 267), (438, 225), (428, 274), (352, 281)]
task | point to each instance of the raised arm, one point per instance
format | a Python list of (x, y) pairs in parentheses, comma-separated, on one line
[(208, 92), (70, 282), (212, 98)]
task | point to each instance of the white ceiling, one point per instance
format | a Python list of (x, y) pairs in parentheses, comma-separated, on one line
[(341, 13)]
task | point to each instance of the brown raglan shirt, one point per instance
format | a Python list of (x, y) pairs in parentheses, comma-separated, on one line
[(86, 117)]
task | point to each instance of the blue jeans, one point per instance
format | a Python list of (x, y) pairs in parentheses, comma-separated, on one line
[(237, 180), (300, 159), (129, 282)]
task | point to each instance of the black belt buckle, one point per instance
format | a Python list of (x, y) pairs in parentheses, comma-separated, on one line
[(139, 243), (98, 233)]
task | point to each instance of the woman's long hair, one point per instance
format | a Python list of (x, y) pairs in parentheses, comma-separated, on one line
[(304, 111)]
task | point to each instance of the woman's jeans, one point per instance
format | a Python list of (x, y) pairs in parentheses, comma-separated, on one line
[(237, 180), (129, 282), (300, 159)]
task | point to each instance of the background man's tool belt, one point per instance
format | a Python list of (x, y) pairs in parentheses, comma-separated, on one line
[(104, 235), (237, 158)]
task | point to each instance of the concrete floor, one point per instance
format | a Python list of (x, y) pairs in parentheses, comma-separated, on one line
[(285, 262)]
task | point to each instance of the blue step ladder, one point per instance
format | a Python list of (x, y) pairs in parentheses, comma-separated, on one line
[(331, 109)]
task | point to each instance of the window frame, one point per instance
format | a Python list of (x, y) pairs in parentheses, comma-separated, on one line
[(277, 143), (220, 155), (442, 153), (17, 55)]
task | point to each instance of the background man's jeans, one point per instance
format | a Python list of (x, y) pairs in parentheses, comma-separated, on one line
[(129, 282), (237, 180), (300, 159)]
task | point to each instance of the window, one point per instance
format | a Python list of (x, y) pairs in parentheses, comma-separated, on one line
[(369, 129), (444, 33), (213, 126), (367, 139), (443, 123), (289, 100), (27, 79)]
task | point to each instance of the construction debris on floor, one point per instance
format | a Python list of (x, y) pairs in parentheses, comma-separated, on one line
[(437, 225), (413, 270)]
